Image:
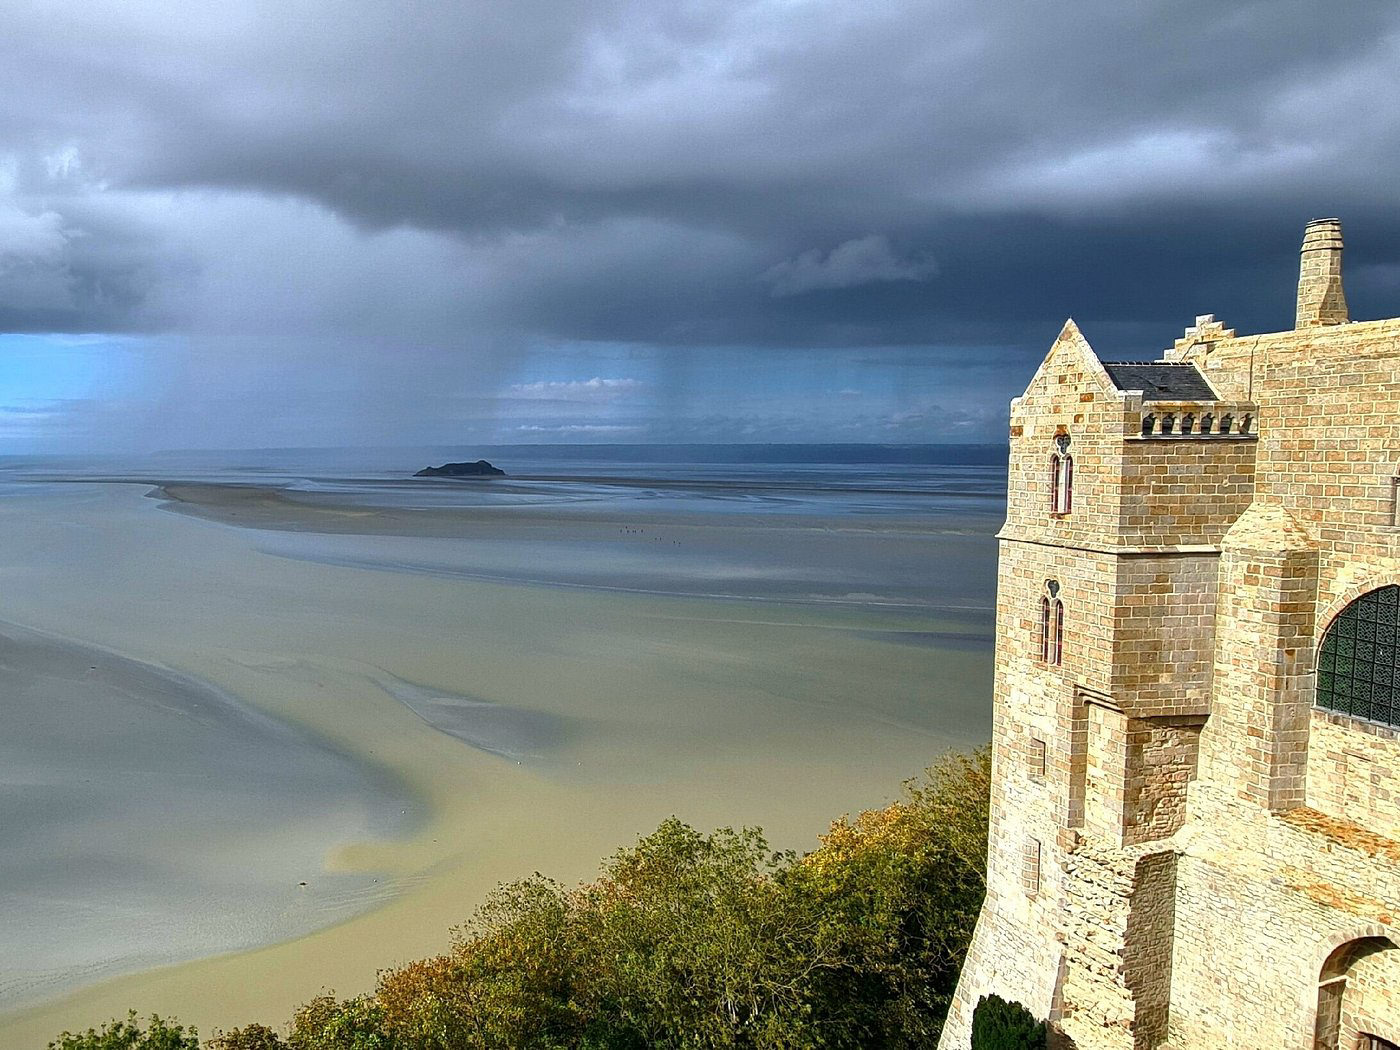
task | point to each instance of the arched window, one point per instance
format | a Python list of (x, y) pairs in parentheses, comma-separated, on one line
[(1061, 476), (1225, 422), (1358, 666), (1206, 422), (1148, 422), (1168, 422), (1244, 424), (1375, 953), (1188, 423), (1057, 645), (1051, 637)]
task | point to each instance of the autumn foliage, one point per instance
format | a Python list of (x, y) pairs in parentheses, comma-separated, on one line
[(695, 940)]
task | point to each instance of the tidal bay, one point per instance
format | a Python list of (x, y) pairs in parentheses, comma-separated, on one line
[(454, 686)]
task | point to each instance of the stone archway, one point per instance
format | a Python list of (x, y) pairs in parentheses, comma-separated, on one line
[(1358, 994)]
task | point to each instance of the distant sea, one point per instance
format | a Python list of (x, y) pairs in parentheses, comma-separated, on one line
[(855, 524), (686, 458)]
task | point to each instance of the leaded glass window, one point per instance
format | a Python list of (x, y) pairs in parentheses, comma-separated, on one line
[(1357, 671)]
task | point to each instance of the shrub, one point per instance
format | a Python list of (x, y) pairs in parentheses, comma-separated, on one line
[(506, 982), (326, 1023), (129, 1035), (1000, 1025), (251, 1037)]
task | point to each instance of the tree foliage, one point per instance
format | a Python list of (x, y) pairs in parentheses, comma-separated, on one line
[(690, 940), (129, 1035), (693, 940), (1001, 1025), (250, 1037)]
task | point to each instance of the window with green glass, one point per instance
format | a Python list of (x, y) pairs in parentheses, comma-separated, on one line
[(1356, 669)]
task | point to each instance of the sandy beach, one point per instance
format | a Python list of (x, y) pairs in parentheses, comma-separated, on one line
[(486, 694)]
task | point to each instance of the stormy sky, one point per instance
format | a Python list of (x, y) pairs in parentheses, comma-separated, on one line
[(317, 223)]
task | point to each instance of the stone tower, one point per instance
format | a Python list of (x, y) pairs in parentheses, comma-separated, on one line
[(1195, 832)]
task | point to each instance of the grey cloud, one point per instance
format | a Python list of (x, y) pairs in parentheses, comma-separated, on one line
[(34, 266), (398, 204), (863, 260)]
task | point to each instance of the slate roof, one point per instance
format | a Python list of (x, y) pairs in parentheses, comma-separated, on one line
[(1159, 381)]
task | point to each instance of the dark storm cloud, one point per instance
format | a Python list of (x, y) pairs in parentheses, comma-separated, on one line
[(428, 187)]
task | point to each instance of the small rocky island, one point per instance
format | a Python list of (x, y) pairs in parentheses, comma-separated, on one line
[(479, 469)]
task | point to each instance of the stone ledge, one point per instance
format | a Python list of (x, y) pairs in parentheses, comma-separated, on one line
[(1108, 548)]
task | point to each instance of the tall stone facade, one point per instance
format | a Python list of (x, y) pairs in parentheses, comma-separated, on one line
[(1195, 833)]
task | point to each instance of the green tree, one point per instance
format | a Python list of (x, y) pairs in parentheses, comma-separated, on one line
[(250, 1037), (689, 940), (326, 1023), (1001, 1025), (129, 1035), (895, 895), (711, 940)]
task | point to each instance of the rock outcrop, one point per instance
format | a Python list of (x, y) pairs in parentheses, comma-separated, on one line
[(479, 469)]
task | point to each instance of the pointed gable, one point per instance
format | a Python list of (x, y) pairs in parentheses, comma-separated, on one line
[(1070, 359)]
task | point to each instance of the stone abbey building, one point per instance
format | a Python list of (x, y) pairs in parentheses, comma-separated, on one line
[(1195, 834)]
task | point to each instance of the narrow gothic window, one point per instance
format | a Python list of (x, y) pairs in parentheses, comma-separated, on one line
[(1050, 639), (1148, 422), (1244, 424), (1358, 666), (1061, 476), (1188, 423), (1168, 422), (1225, 422), (1057, 644), (1206, 422)]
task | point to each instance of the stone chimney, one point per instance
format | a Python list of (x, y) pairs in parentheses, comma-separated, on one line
[(1320, 298)]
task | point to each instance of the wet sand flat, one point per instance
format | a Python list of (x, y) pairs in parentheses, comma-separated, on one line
[(148, 817), (537, 723)]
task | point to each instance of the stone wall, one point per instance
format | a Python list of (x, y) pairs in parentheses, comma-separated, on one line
[(1182, 492), (1119, 920), (1096, 1009), (1160, 765), (1261, 903), (1147, 954), (1354, 771), (1329, 444), (1163, 639)]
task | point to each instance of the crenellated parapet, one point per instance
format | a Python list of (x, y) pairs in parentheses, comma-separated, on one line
[(1199, 420)]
